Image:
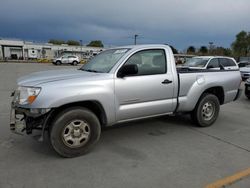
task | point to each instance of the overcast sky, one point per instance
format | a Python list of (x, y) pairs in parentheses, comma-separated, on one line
[(180, 23)]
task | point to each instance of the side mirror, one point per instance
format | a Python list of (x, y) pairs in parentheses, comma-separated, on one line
[(127, 70)]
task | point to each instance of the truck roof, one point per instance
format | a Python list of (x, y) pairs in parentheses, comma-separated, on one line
[(142, 46)]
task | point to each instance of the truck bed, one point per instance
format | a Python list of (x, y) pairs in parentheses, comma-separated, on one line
[(193, 82)]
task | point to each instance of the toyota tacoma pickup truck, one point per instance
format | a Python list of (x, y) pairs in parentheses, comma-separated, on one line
[(118, 85)]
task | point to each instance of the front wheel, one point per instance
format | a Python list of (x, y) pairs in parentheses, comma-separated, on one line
[(74, 131), (206, 111)]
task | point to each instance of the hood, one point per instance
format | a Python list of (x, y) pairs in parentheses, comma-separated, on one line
[(52, 75), (245, 69)]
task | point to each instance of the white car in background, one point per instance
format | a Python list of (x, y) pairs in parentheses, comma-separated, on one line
[(245, 72), (67, 59), (243, 64), (244, 69), (211, 62)]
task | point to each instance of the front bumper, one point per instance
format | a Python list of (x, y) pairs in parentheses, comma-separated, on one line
[(26, 119), (22, 120), (17, 122)]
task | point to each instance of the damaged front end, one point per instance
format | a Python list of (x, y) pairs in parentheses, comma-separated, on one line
[(27, 119)]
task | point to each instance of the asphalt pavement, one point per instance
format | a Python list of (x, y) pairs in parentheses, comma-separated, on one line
[(163, 152)]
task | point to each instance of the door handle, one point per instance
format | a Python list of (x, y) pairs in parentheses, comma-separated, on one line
[(167, 81)]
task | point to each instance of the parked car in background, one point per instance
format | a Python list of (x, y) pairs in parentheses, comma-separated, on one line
[(243, 64), (211, 62), (66, 59), (244, 69), (247, 88)]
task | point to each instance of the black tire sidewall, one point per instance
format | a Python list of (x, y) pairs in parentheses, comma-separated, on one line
[(66, 117), (198, 111), (58, 62)]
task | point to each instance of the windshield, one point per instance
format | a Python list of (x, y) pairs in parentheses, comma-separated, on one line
[(196, 62), (104, 61)]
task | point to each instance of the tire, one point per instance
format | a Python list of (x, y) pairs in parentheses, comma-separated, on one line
[(206, 111), (248, 97), (58, 62), (74, 63), (74, 132)]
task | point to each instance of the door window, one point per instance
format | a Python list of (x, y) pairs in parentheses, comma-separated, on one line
[(149, 62), (214, 63)]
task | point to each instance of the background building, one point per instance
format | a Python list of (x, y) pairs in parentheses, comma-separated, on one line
[(23, 50)]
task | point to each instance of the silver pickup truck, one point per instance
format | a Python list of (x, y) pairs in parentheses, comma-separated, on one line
[(118, 85)]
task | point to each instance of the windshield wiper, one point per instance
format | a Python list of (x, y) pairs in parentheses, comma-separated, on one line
[(90, 70)]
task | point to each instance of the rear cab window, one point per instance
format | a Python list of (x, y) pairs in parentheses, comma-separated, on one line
[(225, 62), (197, 62)]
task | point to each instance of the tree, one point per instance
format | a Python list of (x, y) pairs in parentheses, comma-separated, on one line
[(175, 51), (221, 51), (95, 43), (228, 52), (56, 41), (191, 50), (241, 45), (73, 43), (203, 50)]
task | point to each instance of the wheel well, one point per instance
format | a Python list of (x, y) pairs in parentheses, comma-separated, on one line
[(93, 106), (217, 91)]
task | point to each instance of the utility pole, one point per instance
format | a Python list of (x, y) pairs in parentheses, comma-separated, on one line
[(135, 38), (81, 48), (210, 45)]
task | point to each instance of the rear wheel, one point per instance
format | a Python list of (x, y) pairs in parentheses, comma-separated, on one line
[(74, 132), (206, 111)]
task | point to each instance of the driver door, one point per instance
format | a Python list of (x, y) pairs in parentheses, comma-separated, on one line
[(149, 92)]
